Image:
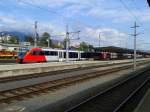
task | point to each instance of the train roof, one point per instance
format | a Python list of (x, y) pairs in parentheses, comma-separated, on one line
[(51, 49)]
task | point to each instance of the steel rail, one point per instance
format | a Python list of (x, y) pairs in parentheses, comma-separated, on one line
[(108, 90), (16, 93)]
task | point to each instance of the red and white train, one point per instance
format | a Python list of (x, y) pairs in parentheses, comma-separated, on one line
[(44, 55)]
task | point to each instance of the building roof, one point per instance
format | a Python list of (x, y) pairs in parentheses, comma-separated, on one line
[(12, 45), (114, 49)]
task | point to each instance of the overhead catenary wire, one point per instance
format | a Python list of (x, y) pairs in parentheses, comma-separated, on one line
[(140, 14), (131, 13), (30, 4), (134, 15), (126, 7), (137, 8), (47, 10), (50, 11), (63, 16)]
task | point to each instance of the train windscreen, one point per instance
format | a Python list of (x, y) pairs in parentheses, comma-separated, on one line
[(21, 55)]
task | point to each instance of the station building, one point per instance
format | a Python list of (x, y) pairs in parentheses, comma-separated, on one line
[(12, 47)]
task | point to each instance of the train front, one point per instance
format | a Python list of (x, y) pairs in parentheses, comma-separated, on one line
[(20, 57)]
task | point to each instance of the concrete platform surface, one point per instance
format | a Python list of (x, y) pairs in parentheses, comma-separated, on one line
[(23, 69), (52, 64), (144, 105)]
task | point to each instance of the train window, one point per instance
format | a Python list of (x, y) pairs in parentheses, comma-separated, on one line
[(41, 52), (46, 52), (86, 55), (82, 55), (53, 53), (64, 54), (73, 55), (35, 53)]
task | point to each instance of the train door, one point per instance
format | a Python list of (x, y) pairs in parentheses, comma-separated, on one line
[(60, 56)]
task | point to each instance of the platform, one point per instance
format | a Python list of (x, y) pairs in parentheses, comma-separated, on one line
[(24, 69)]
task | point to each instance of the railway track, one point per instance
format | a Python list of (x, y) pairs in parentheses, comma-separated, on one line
[(7, 96), (122, 97), (24, 77)]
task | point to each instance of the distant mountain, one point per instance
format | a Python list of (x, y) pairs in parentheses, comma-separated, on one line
[(21, 35)]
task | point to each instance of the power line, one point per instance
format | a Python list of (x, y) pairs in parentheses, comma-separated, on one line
[(30, 4), (136, 18), (137, 8), (131, 13), (126, 7), (45, 9), (140, 12)]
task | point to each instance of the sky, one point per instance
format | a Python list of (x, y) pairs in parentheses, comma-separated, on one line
[(113, 19)]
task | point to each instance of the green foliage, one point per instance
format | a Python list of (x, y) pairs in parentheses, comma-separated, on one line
[(13, 40), (44, 40), (29, 39), (57, 45), (85, 47)]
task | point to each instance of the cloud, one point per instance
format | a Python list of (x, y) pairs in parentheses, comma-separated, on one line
[(88, 11), (47, 3), (9, 23), (108, 36), (94, 9)]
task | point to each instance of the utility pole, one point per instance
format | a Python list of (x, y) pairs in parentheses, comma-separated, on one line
[(68, 40), (35, 34), (48, 41), (99, 39), (67, 43), (135, 36)]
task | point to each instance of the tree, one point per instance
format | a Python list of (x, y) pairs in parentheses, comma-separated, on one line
[(57, 45), (44, 40), (85, 47), (13, 40), (29, 39), (91, 48)]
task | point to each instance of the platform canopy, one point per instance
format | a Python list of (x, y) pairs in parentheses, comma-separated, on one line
[(113, 49)]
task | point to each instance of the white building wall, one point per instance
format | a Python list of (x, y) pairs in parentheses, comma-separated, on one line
[(3, 47)]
